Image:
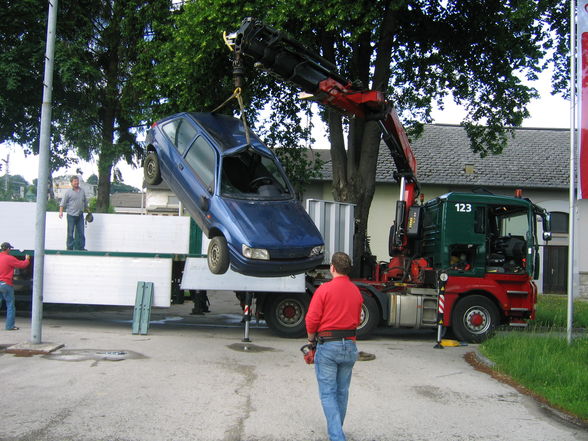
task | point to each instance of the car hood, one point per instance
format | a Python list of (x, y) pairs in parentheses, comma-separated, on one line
[(273, 224)]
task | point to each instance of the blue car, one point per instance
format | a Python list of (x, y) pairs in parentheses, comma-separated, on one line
[(236, 191)]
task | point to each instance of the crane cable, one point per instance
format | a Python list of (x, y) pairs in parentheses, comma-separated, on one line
[(239, 97)]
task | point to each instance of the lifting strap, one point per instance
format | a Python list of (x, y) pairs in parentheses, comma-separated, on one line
[(237, 95)]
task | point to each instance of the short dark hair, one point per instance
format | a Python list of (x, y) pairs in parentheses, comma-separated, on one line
[(74, 177), (342, 263)]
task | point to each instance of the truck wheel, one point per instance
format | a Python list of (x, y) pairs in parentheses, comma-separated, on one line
[(370, 316), (218, 255), (151, 170), (284, 314), (475, 318)]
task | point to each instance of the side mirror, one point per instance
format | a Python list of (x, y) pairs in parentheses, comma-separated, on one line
[(547, 236), (204, 203)]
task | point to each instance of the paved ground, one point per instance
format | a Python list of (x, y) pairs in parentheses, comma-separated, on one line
[(190, 379)]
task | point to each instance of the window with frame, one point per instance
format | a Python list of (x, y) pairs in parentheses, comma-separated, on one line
[(559, 222), (201, 159), (181, 133)]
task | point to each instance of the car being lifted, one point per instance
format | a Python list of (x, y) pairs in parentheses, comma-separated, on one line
[(235, 189)]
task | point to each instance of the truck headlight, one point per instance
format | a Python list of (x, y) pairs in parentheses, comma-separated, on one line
[(317, 251), (255, 253)]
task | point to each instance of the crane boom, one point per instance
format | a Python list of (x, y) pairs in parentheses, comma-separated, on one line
[(288, 60)]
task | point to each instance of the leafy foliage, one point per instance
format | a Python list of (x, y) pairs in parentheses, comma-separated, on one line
[(124, 63)]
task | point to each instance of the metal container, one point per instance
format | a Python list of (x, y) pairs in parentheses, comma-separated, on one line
[(335, 221)]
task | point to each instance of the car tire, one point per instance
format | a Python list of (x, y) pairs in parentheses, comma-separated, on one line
[(474, 319), (370, 316), (218, 255), (285, 314), (151, 169)]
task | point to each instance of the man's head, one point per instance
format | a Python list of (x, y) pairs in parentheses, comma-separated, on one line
[(6, 246), (341, 263), (75, 181)]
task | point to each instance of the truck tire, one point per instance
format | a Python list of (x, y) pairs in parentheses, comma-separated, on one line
[(370, 316), (218, 255), (151, 170), (284, 314), (474, 318)]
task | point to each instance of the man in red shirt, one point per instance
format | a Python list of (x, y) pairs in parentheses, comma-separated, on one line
[(331, 322), (7, 265)]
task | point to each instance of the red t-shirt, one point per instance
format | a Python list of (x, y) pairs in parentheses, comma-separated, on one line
[(7, 265), (334, 305)]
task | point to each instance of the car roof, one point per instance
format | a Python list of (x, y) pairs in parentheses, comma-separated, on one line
[(227, 131)]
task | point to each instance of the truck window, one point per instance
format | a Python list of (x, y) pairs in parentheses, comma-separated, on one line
[(480, 220), (514, 225)]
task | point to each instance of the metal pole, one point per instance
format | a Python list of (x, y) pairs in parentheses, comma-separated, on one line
[(43, 178), (247, 315), (572, 216)]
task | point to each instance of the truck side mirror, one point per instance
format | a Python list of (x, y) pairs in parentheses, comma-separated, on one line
[(547, 236)]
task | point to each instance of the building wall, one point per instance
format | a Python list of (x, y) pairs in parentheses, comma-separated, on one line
[(62, 184)]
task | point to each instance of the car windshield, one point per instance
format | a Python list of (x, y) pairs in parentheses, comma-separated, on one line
[(250, 175)]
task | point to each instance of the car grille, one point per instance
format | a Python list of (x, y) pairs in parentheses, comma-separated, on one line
[(290, 253)]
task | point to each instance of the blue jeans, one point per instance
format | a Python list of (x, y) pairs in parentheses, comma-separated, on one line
[(75, 232), (333, 364), (7, 294)]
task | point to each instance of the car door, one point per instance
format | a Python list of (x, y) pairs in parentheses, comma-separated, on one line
[(181, 134), (199, 178)]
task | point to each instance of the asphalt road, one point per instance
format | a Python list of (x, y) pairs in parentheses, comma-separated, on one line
[(191, 379)]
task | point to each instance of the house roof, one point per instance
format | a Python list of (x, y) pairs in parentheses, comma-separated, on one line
[(533, 158)]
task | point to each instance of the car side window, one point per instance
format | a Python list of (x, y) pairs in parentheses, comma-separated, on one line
[(181, 133), (201, 159)]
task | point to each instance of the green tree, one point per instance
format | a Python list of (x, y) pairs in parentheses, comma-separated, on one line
[(96, 66), (22, 56), (93, 100), (415, 51)]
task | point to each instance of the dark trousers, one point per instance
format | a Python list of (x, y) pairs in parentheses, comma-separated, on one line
[(75, 232)]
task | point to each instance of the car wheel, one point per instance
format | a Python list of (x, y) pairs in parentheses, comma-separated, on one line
[(218, 255), (151, 170), (284, 314), (474, 319), (370, 316)]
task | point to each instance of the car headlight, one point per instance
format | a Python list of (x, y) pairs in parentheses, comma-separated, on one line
[(317, 251), (255, 253)]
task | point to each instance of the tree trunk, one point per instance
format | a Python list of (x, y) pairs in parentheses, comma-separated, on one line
[(104, 174), (354, 168)]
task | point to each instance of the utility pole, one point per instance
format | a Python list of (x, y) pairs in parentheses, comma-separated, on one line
[(45, 134), (7, 174)]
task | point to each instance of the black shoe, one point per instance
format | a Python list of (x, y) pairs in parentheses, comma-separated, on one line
[(14, 328)]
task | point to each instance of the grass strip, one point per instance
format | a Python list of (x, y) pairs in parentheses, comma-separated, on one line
[(546, 365), (552, 311)]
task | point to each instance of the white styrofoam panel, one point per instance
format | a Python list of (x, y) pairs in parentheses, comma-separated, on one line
[(129, 233), (198, 276), (104, 280), (17, 224), (109, 232)]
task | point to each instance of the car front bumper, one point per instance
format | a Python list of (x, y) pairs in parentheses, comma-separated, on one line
[(272, 268)]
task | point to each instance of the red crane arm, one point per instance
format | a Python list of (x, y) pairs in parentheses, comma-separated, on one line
[(280, 55)]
